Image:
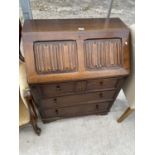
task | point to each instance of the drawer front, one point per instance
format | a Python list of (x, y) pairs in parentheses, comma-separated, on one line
[(96, 84), (52, 90), (77, 110), (71, 100), (49, 113), (80, 86), (48, 103)]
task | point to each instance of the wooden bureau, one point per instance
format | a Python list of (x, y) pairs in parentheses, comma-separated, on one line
[(75, 66)]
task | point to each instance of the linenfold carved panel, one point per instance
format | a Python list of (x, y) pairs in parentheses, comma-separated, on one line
[(55, 56), (103, 53)]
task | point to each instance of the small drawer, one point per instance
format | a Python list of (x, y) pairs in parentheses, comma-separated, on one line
[(101, 84), (85, 98), (52, 90), (48, 103)]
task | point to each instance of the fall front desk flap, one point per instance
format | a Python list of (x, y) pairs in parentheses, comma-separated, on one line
[(74, 49)]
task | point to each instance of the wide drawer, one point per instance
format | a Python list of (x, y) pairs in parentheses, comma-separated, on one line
[(78, 99), (85, 98), (77, 110)]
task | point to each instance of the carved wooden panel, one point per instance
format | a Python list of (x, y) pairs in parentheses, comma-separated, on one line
[(55, 56), (103, 53)]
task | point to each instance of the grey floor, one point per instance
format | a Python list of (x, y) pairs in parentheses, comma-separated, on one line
[(47, 9), (89, 135)]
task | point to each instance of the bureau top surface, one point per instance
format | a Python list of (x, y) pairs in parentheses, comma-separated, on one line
[(51, 25)]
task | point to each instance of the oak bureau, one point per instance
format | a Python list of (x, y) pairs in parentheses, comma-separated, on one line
[(75, 67)]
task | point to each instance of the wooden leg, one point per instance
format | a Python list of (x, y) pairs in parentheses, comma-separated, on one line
[(37, 130), (127, 112), (32, 111), (34, 119)]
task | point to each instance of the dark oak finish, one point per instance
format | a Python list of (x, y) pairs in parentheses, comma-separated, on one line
[(103, 53), (54, 56), (75, 66)]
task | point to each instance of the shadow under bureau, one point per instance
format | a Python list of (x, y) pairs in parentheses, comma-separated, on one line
[(75, 66)]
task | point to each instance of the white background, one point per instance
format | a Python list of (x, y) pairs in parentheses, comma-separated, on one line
[(145, 77)]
